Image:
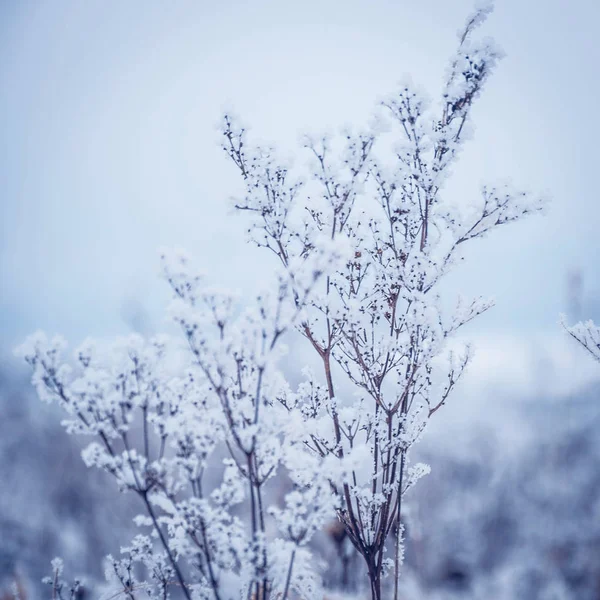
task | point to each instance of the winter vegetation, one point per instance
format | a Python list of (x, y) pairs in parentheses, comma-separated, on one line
[(588, 335), (268, 447)]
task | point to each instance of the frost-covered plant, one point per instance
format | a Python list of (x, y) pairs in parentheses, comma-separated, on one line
[(61, 590), (200, 429), (587, 334)]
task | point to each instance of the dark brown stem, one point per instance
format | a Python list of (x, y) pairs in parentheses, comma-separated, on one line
[(165, 544)]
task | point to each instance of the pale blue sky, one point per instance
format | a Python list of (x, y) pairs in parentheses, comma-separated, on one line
[(108, 144)]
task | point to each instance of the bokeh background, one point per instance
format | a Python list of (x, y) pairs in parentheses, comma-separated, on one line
[(109, 150)]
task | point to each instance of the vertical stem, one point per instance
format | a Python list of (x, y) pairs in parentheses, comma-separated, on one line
[(289, 576), (253, 513), (261, 524), (211, 573), (165, 544), (375, 577), (146, 441), (398, 523)]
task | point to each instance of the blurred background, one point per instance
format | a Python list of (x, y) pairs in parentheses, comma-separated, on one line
[(109, 150)]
